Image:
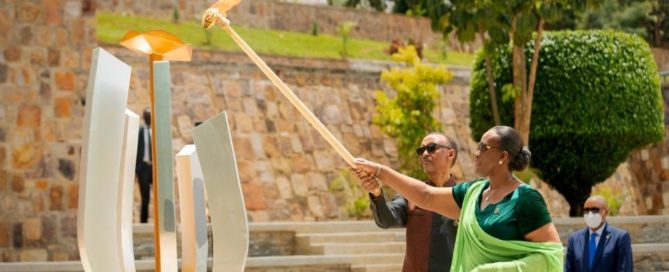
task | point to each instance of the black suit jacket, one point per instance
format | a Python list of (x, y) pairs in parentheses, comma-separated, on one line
[(140, 165)]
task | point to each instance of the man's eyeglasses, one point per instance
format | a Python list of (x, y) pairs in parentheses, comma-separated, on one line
[(593, 210), (484, 147), (431, 148)]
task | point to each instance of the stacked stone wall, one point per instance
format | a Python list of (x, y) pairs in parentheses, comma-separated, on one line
[(45, 53), (286, 167), (272, 14)]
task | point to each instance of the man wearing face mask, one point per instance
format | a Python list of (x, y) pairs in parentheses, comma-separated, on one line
[(600, 246), (430, 237)]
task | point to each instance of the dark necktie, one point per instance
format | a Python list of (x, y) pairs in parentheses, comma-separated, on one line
[(592, 250)]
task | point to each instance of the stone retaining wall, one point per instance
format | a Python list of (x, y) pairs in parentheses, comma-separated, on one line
[(286, 168), (45, 53), (280, 15), (652, 261)]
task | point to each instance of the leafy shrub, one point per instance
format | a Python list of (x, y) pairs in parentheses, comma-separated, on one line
[(614, 199), (346, 189), (175, 16), (315, 29), (378, 5), (597, 98), (344, 30), (407, 116), (208, 37)]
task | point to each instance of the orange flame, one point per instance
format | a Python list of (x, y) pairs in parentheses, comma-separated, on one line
[(225, 5)]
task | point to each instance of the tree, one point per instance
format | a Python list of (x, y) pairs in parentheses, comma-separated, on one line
[(378, 5), (407, 116), (646, 18), (600, 99), (344, 30), (413, 7), (630, 18), (497, 23)]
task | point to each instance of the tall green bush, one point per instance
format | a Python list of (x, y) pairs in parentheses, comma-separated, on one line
[(598, 98), (407, 116)]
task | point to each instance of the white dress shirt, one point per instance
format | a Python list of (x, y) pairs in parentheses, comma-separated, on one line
[(599, 233), (147, 142)]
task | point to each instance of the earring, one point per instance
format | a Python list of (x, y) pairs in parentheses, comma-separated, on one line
[(500, 162)]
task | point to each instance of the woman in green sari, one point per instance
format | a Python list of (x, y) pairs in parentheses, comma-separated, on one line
[(504, 223)]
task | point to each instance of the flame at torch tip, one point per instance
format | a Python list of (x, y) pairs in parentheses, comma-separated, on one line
[(209, 18), (225, 5), (217, 12)]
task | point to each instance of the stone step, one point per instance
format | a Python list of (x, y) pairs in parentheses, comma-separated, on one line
[(642, 229), (653, 256), (289, 238), (650, 248), (319, 227), (377, 267), (353, 259), (352, 237), (276, 263), (358, 248), (368, 225)]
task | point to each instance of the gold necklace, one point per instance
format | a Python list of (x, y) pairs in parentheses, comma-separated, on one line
[(487, 198)]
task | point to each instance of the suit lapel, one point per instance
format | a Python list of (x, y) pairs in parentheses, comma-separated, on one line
[(601, 245), (584, 261)]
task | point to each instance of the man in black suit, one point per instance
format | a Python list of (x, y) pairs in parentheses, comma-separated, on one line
[(143, 166)]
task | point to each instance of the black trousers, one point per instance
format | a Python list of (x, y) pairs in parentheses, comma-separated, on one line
[(145, 178)]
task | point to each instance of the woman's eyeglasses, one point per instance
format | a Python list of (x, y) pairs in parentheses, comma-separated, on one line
[(484, 147), (431, 148)]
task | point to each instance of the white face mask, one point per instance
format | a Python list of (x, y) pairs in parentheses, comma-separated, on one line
[(593, 220)]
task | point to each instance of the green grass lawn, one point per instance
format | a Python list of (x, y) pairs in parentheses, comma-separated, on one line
[(112, 27)]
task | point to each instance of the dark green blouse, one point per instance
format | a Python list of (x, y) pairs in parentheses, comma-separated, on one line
[(520, 212)]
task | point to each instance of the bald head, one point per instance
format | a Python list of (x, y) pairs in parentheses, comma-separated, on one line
[(597, 203), (446, 140), (598, 200)]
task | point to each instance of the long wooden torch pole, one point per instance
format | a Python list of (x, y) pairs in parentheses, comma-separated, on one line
[(322, 130)]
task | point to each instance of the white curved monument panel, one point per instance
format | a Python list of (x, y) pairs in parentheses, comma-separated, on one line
[(194, 240), (229, 223), (164, 161), (101, 163), (126, 186)]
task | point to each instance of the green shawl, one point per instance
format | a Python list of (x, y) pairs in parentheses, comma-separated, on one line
[(475, 250)]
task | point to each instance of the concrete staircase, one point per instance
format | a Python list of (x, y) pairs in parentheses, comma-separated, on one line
[(650, 238), (360, 246), (355, 238)]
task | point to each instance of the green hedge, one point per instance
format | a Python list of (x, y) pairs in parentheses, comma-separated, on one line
[(597, 98)]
